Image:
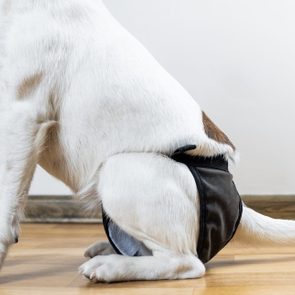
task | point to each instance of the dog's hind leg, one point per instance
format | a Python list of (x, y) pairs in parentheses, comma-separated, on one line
[(153, 199), (21, 136), (160, 266)]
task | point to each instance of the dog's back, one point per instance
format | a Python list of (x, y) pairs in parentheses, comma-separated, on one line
[(84, 71)]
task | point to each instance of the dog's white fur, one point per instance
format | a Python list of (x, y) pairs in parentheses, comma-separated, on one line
[(85, 100)]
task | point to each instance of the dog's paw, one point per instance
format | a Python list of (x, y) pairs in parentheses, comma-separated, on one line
[(101, 268), (8, 235), (99, 248)]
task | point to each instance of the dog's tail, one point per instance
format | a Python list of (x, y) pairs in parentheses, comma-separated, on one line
[(256, 228)]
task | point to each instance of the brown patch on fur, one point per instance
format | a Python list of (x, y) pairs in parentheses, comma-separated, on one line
[(28, 85), (214, 132)]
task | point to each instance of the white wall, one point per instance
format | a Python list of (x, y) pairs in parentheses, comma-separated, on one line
[(237, 59)]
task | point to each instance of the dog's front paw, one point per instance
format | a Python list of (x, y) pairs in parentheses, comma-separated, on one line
[(99, 248), (8, 236), (3, 253)]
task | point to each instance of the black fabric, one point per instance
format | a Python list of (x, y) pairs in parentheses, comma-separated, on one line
[(220, 203), (220, 208)]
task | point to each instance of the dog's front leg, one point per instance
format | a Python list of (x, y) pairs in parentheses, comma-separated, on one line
[(21, 138)]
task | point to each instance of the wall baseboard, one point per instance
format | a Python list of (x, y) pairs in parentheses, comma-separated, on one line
[(67, 209), (63, 209), (276, 206)]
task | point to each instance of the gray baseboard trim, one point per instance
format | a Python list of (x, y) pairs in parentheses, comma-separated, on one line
[(67, 209), (276, 206), (59, 209)]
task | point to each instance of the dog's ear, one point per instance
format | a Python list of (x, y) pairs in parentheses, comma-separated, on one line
[(214, 132)]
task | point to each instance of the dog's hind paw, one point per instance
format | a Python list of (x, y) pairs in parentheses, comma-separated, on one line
[(99, 248), (101, 268)]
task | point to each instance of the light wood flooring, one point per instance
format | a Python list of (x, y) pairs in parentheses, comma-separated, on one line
[(48, 255)]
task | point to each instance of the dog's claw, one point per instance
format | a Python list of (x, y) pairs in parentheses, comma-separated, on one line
[(92, 276)]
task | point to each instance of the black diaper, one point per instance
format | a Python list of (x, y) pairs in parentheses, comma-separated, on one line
[(220, 208)]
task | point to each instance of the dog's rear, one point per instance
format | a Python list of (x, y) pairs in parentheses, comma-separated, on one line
[(254, 227)]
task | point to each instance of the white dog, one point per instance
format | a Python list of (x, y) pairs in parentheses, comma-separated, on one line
[(85, 100)]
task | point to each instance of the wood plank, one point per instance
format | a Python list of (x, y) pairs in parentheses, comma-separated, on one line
[(48, 255)]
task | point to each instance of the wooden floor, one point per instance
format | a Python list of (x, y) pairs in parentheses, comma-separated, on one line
[(47, 258)]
